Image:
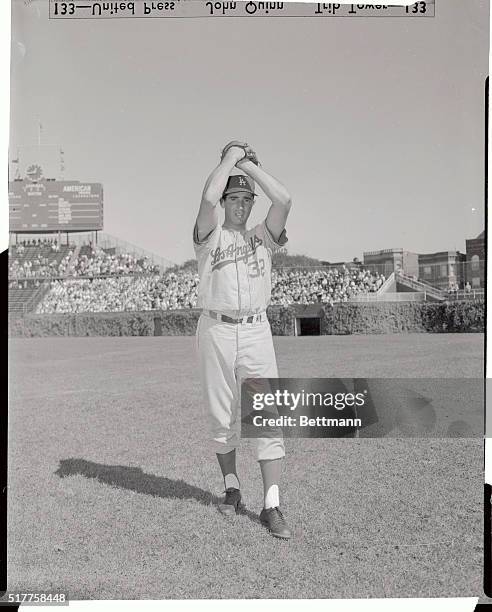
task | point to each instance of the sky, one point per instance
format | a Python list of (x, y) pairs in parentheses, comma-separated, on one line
[(375, 126)]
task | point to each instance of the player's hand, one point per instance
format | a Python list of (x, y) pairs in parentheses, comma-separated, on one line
[(250, 156), (234, 150), (236, 154)]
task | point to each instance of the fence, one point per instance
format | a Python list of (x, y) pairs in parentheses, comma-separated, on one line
[(339, 319), (473, 294), (390, 297)]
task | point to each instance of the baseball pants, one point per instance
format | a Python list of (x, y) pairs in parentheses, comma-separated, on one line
[(229, 353)]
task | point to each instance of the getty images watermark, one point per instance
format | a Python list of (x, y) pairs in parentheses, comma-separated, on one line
[(371, 408), (282, 398)]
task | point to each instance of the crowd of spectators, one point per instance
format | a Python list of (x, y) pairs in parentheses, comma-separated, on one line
[(38, 261), (39, 243), (98, 262), (41, 259), (291, 286), (92, 279), (177, 290), (121, 293), (24, 283)]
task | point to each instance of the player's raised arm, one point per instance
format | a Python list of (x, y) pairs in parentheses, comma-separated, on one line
[(208, 214), (275, 191)]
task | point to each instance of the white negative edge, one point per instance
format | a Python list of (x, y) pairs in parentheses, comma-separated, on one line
[(333, 605), (397, 3), (488, 355), (464, 604), (4, 121)]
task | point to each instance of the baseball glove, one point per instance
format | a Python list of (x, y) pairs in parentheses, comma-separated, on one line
[(249, 154)]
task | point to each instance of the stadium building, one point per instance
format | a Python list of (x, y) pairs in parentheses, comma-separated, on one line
[(387, 261), (443, 269), (475, 261)]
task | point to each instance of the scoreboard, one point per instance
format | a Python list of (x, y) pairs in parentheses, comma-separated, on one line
[(48, 205)]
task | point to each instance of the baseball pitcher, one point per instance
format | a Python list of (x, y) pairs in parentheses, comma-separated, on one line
[(233, 336)]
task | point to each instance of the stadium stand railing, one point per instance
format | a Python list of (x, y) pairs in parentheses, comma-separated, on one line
[(416, 285), (22, 301), (30, 304), (411, 296), (387, 283), (17, 299), (384, 295), (462, 294)]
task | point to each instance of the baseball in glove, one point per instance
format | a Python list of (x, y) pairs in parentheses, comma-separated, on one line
[(249, 154)]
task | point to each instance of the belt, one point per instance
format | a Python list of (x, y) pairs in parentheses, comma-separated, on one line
[(256, 318)]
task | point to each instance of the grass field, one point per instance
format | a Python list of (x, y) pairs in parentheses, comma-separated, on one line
[(112, 486)]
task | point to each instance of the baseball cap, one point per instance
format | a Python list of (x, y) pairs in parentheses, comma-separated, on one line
[(239, 182)]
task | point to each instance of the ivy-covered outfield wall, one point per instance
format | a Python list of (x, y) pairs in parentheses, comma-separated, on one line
[(341, 319)]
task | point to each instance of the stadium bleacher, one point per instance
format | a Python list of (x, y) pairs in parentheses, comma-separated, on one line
[(19, 297), (38, 260), (88, 278), (179, 289)]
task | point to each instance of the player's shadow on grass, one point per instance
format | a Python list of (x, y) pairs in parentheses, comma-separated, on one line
[(135, 479)]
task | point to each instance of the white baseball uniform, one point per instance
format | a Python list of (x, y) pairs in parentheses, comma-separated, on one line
[(235, 280)]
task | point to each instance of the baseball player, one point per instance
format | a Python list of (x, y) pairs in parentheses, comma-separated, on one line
[(233, 337)]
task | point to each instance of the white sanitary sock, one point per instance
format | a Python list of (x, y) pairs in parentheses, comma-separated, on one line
[(231, 481), (272, 498)]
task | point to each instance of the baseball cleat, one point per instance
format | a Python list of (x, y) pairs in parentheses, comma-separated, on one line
[(231, 503), (275, 522)]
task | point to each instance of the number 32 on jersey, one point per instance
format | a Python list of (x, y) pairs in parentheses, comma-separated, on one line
[(257, 268)]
